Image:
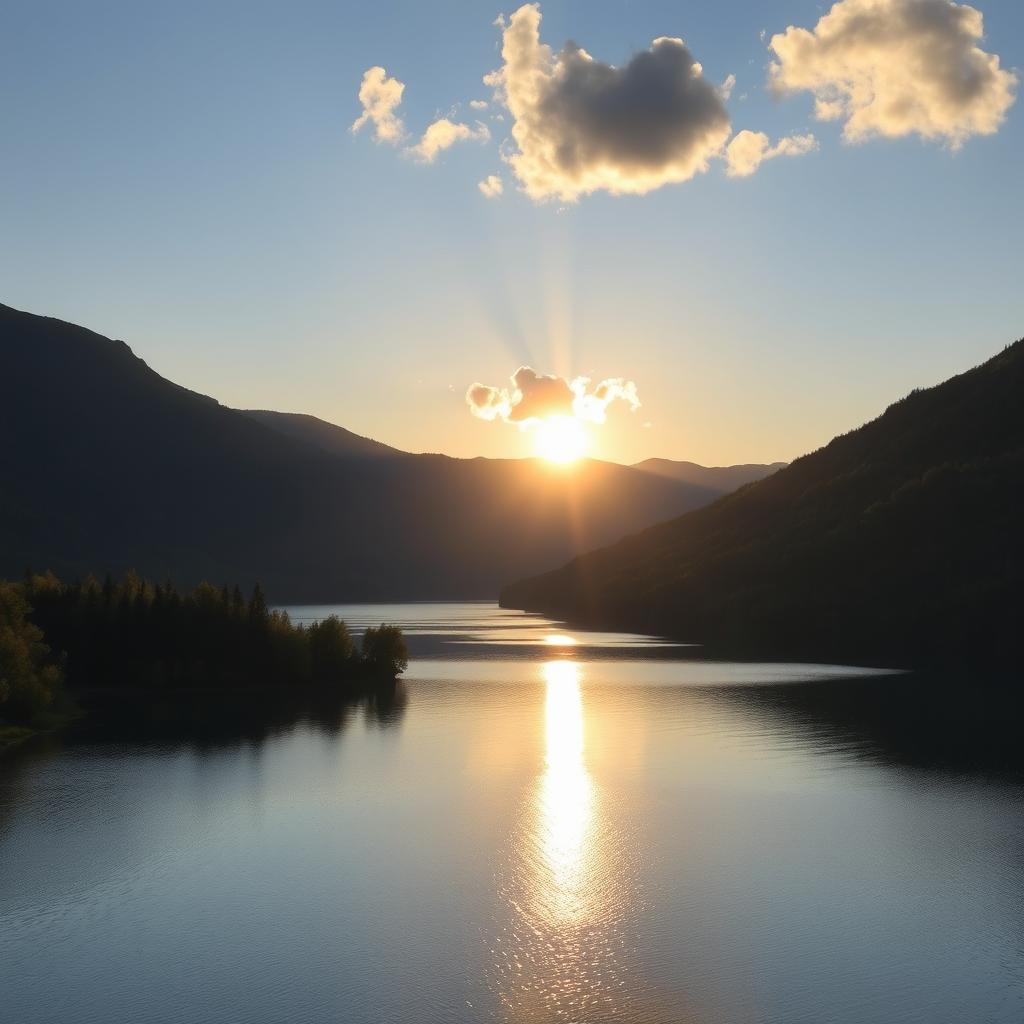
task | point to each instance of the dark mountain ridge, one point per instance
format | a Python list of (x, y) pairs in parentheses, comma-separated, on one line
[(898, 543), (106, 466), (326, 437), (720, 478)]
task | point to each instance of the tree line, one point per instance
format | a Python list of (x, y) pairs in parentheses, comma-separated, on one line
[(137, 635)]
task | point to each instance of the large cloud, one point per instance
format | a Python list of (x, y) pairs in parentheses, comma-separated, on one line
[(748, 150), (581, 125), (535, 396), (380, 97), (444, 133), (897, 67)]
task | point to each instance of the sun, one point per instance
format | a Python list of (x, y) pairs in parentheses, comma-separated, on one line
[(561, 439)]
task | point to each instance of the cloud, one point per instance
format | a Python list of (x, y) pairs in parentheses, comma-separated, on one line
[(726, 88), (488, 403), (748, 150), (380, 97), (492, 186), (593, 404), (444, 133), (896, 68), (534, 397), (478, 104), (581, 125)]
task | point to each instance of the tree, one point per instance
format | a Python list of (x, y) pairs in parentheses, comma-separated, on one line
[(384, 651), (141, 636), (330, 648), (258, 614), (28, 678)]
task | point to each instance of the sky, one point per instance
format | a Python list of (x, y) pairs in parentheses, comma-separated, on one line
[(186, 177)]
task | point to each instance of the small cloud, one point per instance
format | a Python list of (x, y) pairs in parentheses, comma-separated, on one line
[(380, 97), (443, 134), (726, 88), (581, 125), (893, 68), (592, 403), (534, 397), (748, 150), (478, 104), (492, 186)]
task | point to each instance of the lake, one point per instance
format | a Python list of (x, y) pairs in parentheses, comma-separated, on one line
[(538, 825)]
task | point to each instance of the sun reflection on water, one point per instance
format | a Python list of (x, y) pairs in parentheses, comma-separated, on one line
[(559, 640), (561, 955), (565, 800)]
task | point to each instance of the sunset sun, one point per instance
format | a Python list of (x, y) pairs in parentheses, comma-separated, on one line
[(561, 439)]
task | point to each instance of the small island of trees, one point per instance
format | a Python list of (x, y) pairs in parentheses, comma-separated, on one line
[(59, 640)]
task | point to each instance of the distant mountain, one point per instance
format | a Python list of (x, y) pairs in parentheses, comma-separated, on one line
[(322, 435), (900, 542), (104, 466), (719, 478)]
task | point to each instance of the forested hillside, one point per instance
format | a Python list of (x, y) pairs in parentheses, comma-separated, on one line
[(900, 541)]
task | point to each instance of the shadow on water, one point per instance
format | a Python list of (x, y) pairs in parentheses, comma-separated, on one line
[(925, 722), (203, 721), (212, 720)]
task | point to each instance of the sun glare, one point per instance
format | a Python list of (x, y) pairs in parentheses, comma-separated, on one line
[(561, 439)]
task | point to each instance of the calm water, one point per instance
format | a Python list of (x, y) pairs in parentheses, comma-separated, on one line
[(543, 825)]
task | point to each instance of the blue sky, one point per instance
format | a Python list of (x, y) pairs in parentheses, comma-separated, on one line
[(183, 176)]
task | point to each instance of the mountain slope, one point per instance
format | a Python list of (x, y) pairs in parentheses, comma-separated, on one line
[(719, 478), (106, 466), (322, 435), (900, 541)]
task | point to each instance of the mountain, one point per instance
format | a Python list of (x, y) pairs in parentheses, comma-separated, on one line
[(105, 465), (900, 542), (718, 478), (322, 435)]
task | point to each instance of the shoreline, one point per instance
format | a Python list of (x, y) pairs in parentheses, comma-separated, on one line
[(14, 736)]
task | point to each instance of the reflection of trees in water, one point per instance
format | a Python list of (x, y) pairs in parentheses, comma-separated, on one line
[(967, 725), (385, 705), (214, 720)]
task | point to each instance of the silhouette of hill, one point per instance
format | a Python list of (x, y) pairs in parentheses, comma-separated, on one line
[(106, 466), (899, 542), (322, 435), (719, 478)]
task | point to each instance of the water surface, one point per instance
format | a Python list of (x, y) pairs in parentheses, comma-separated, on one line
[(541, 825)]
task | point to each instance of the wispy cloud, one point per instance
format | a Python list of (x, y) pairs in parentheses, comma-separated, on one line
[(492, 186), (380, 97), (443, 134), (748, 150)]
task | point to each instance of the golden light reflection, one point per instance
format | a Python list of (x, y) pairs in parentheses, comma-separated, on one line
[(561, 956), (560, 640), (566, 795)]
